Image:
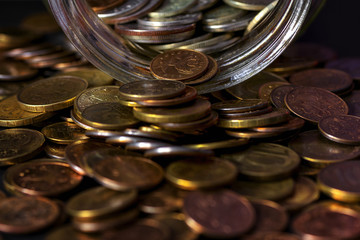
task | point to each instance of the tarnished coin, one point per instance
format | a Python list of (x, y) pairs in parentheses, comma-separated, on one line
[(152, 89), (115, 170), (313, 104), (23, 215), (51, 94), (218, 213), (265, 161), (277, 95), (239, 106), (327, 220), (341, 128), (250, 5), (202, 174), (319, 151), (43, 177), (171, 8), (19, 144), (340, 181), (16, 70), (93, 76), (63, 132), (181, 64), (329, 79), (353, 102), (348, 65)]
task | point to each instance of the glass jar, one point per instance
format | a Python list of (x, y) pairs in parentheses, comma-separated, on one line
[(105, 49)]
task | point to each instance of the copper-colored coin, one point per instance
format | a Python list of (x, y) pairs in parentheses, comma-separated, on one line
[(237, 115), (341, 128), (43, 177), (341, 181), (266, 89), (68, 232), (15, 70), (348, 65), (353, 101), (152, 89), (23, 215), (189, 95), (210, 73), (329, 79), (313, 104), (75, 151), (32, 50), (328, 220), (289, 64), (218, 213), (103, 4), (179, 64), (294, 123), (177, 225), (277, 96), (63, 132), (239, 106), (319, 151), (19, 144), (272, 236), (115, 170)]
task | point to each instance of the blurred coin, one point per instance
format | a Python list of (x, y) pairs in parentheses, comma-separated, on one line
[(15, 37), (181, 64), (24, 215), (171, 8), (348, 65), (202, 5), (221, 13), (63, 132), (15, 71), (117, 171), (93, 76), (266, 89), (51, 94), (231, 143), (47, 60), (177, 225), (270, 5), (284, 65), (170, 21), (128, 7), (41, 23), (294, 123), (250, 5), (272, 236), (341, 128), (31, 50), (319, 151), (68, 232), (249, 134), (265, 161), (152, 135), (239, 115), (201, 174), (68, 65), (239, 106), (104, 4), (19, 144), (353, 102), (312, 103), (177, 151), (236, 24), (169, 46), (277, 95), (54, 150), (218, 213)]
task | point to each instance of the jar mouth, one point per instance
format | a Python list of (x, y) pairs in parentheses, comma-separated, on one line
[(107, 50)]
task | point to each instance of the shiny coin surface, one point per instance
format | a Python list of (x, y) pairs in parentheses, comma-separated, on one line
[(239, 106), (93, 76), (16, 70), (259, 16), (218, 213), (99, 201), (117, 171), (127, 8), (337, 222), (54, 150), (23, 215), (319, 151), (265, 161), (294, 123), (177, 151), (237, 24), (43, 177), (63, 132), (170, 21), (19, 144), (250, 5), (277, 95), (179, 64), (348, 65), (341, 128), (152, 89), (340, 181), (312, 104), (51, 94), (231, 143), (192, 175), (171, 8)]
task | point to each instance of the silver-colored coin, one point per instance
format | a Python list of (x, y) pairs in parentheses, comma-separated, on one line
[(202, 5), (251, 5), (124, 139), (103, 134), (221, 14), (172, 7), (144, 146), (170, 21), (151, 135), (127, 8), (177, 151), (235, 24)]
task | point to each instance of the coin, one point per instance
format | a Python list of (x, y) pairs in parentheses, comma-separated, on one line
[(272, 236), (54, 150), (312, 104), (319, 151), (15, 71), (93, 76), (341, 128), (250, 5), (202, 174), (19, 144), (169, 46), (209, 74), (43, 177), (265, 161), (183, 19), (68, 232), (13, 37), (239, 106), (125, 9), (23, 215), (348, 65), (177, 151), (236, 24), (249, 134), (103, 5), (122, 172), (181, 64), (293, 124), (277, 95), (336, 222), (218, 213), (51, 94), (353, 102), (259, 16), (152, 135), (177, 225), (221, 13), (26, 52), (202, 5), (266, 89), (63, 132), (231, 143), (339, 181), (171, 8), (99, 201)]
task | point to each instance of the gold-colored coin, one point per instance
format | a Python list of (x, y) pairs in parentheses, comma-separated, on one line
[(115, 170), (19, 144), (51, 94), (184, 113), (260, 16), (271, 190), (275, 117), (249, 134), (11, 115), (171, 8), (108, 116), (54, 150), (63, 132), (99, 201), (265, 161), (231, 143), (202, 174), (239, 106), (93, 76), (68, 232), (78, 121), (15, 37)]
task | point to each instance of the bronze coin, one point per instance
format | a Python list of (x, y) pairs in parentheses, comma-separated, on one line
[(277, 96), (22, 215), (348, 65), (218, 213), (209, 74), (313, 104), (43, 177), (330, 79), (63, 132), (341, 128), (327, 220), (181, 64), (353, 101)]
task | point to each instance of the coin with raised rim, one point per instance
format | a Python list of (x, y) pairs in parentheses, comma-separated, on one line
[(63, 132)]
